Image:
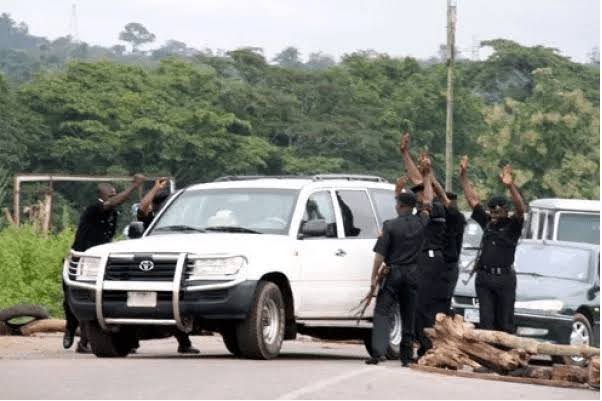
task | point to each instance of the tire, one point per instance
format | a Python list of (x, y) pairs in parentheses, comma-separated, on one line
[(582, 334), (109, 345), (231, 340), (261, 334), (392, 352), (23, 310)]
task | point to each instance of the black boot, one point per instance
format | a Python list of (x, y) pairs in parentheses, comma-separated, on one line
[(68, 339), (375, 360)]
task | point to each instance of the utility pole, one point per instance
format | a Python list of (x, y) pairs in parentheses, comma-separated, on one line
[(449, 122), (73, 30)]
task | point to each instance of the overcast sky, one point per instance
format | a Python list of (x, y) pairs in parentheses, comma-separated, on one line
[(398, 27)]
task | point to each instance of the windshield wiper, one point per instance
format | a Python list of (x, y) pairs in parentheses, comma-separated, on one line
[(232, 229), (179, 227), (531, 274)]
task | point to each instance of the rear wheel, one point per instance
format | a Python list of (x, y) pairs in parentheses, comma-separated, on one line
[(582, 334), (261, 334), (109, 345), (392, 351)]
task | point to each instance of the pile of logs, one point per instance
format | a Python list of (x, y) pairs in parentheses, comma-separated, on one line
[(459, 347)]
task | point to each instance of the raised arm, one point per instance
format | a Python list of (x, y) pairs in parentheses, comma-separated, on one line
[(121, 197), (426, 171), (411, 170), (508, 180), (471, 196), (400, 184), (147, 200), (439, 191)]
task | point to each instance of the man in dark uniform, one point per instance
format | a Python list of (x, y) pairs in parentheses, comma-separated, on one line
[(96, 226), (454, 234), (398, 247), (433, 279), (496, 279), (150, 205)]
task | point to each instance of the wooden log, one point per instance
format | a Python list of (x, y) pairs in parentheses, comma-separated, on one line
[(593, 372), (43, 326), (528, 344), (570, 373), (495, 377), (492, 357)]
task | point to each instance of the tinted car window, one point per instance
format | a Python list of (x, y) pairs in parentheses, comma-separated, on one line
[(358, 218), (384, 202), (577, 227), (319, 207)]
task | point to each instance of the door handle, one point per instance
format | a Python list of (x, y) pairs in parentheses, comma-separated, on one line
[(340, 252)]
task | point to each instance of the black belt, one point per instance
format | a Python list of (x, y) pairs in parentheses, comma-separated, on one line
[(402, 265), (498, 271)]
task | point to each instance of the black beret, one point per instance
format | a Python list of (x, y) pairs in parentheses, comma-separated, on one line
[(406, 198), (418, 188), (498, 200)]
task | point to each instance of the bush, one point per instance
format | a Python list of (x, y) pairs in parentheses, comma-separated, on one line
[(30, 267)]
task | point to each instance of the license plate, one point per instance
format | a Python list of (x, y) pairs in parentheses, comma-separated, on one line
[(471, 315), (142, 299)]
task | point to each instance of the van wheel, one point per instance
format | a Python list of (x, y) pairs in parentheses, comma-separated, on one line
[(582, 334), (109, 345), (392, 351), (261, 334), (230, 340)]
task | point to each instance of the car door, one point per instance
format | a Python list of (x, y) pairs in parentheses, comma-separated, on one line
[(360, 231), (322, 266)]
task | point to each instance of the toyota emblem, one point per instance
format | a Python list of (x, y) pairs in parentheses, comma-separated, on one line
[(146, 265)]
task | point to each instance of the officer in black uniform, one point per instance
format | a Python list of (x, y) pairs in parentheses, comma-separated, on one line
[(97, 226), (150, 205), (398, 247), (496, 279), (454, 234)]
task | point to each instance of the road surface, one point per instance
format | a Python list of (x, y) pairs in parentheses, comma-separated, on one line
[(38, 368)]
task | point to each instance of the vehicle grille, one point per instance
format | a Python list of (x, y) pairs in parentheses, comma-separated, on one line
[(129, 270)]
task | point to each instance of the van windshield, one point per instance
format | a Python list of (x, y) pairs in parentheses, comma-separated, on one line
[(579, 227), (239, 210)]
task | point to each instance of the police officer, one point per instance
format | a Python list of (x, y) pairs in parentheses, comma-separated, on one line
[(398, 247), (150, 205), (454, 235), (496, 279), (97, 226)]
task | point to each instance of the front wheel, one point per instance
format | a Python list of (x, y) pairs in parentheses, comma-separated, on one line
[(261, 334), (109, 345), (582, 334), (230, 340)]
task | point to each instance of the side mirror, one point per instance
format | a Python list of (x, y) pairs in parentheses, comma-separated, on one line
[(135, 230), (315, 228)]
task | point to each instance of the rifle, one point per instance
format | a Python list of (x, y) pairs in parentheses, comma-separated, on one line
[(367, 300)]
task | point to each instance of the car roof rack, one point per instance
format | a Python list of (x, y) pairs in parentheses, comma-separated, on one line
[(317, 177), (348, 177)]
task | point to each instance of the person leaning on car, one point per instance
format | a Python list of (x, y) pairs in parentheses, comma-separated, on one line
[(150, 205), (496, 279), (97, 226), (398, 247)]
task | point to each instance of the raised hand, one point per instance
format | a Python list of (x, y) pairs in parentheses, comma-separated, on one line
[(404, 144), (506, 175), (425, 165), (400, 184), (138, 179), (464, 165), (161, 182)]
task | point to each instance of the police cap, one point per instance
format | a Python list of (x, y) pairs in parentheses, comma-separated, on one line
[(406, 198), (497, 201)]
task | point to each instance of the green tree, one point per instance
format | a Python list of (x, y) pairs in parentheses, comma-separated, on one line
[(136, 34)]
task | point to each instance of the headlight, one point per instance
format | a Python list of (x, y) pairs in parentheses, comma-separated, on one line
[(87, 269), (217, 266), (550, 305)]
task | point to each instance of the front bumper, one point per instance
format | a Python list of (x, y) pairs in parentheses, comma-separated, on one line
[(552, 328), (106, 300)]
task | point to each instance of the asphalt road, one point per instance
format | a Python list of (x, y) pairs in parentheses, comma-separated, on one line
[(39, 368)]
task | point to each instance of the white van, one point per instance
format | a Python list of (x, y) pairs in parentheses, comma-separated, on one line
[(572, 220), (257, 260)]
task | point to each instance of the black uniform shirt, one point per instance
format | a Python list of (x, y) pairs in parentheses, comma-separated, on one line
[(96, 226), (402, 239), (435, 229), (499, 239), (454, 233)]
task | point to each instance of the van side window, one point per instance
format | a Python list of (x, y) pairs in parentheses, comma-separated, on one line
[(358, 218), (384, 202), (319, 207)]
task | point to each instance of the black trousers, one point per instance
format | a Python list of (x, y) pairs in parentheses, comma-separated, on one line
[(71, 321), (398, 289), (433, 289), (497, 294), (453, 272)]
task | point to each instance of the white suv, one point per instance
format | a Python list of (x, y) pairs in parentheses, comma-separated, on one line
[(257, 259)]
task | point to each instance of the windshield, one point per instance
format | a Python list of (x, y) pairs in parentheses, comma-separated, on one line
[(553, 261), (472, 235), (240, 210), (579, 227)]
